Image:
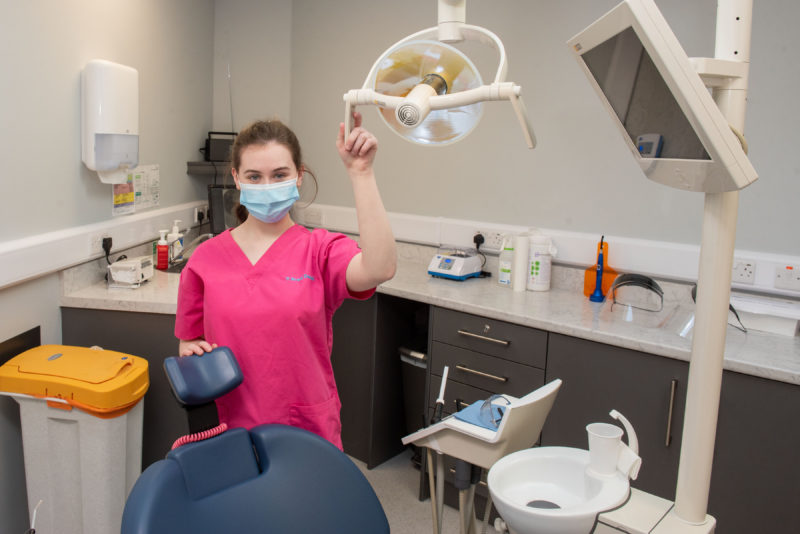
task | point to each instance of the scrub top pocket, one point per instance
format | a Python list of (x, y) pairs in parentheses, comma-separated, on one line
[(321, 419)]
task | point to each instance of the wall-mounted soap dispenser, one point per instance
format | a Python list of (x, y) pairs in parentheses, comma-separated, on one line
[(109, 119)]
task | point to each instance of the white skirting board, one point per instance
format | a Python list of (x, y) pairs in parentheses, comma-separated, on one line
[(30, 257), (660, 259)]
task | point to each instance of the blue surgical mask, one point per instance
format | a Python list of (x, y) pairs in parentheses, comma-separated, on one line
[(269, 203)]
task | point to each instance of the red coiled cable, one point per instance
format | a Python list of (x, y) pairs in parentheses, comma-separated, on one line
[(200, 436)]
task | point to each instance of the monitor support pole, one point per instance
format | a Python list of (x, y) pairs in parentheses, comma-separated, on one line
[(726, 74)]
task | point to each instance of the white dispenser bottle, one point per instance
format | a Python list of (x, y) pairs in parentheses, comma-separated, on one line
[(506, 262), (540, 263), (175, 241)]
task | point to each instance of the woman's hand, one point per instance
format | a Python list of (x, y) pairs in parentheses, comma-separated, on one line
[(356, 148), (187, 347)]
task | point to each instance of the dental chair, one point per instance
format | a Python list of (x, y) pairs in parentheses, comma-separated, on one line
[(273, 478)]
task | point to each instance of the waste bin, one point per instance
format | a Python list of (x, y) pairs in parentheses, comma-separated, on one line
[(81, 418), (414, 365)]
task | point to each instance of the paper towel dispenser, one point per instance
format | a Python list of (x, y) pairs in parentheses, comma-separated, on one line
[(109, 119)]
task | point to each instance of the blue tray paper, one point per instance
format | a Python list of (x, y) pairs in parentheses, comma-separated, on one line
[(472, 414)]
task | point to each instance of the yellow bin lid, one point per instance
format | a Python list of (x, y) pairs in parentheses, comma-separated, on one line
[(104, 383)]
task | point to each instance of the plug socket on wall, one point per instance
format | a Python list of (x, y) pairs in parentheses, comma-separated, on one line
[(744, 271), (492, 241), (787, 277)]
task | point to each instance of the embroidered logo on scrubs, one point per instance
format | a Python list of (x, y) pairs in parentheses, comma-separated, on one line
[(300, 279)]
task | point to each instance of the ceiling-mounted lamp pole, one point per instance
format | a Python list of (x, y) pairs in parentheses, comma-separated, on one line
[(452, 16), (727, 74)]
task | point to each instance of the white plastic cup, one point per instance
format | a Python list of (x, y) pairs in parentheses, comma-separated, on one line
[(540, 260), (604, 441)]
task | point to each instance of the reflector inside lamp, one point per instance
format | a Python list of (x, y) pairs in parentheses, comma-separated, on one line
[(403, 67)]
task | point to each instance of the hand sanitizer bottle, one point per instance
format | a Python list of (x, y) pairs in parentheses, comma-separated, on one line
[(506, 262), (162, 251)]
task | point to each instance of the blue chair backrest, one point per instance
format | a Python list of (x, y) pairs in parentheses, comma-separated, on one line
[(273, 478)]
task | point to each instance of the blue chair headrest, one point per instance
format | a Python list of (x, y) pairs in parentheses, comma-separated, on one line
[(197, 380)]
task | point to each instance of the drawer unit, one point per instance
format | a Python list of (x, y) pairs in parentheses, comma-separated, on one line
[(489, 336), (484, 357), (483, 371)]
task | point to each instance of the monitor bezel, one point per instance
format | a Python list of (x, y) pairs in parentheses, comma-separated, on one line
[(729, 168)]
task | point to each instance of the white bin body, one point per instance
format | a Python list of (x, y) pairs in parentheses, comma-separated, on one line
[(80, 466)]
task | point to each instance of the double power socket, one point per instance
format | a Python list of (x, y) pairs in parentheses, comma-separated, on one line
[(785, 277)]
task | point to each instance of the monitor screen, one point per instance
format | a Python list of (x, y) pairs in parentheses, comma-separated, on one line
[(646, 82)]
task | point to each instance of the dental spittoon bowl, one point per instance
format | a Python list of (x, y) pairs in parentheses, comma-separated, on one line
[(548, 490)]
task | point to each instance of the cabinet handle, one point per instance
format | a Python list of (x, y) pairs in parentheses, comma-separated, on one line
[(672, 389), (484, 338), (481, 373), (421, 356)]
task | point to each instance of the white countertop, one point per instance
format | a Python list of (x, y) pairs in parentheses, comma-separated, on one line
[(564, 311)]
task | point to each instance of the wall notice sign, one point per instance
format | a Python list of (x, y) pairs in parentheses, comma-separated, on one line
[(140, 191)]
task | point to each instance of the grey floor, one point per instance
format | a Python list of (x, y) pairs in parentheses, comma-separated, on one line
[(396, 482)]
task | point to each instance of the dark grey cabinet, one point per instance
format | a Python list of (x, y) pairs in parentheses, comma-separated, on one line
[(484, 357), (367, 336), (755, 477), (599, 378)]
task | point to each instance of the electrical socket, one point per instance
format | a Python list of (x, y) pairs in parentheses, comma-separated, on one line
[(744, 271), (96, 243), (198, 211), (492, 241), (787, 277)]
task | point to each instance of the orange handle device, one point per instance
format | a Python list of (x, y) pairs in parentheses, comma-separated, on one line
[(590, 275)]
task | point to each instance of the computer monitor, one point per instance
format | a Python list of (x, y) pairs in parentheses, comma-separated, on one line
[(648, 85)]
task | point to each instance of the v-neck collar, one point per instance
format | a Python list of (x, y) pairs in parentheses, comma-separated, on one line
[(274, 250)]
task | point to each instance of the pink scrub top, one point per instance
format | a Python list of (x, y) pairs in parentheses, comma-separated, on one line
[(276, 318)]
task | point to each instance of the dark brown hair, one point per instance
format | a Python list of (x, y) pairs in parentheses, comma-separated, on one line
[(261, 133)]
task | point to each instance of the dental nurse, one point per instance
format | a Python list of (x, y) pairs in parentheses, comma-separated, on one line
[(268, 289)]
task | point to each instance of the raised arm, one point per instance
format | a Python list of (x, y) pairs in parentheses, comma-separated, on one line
[(377, 261)]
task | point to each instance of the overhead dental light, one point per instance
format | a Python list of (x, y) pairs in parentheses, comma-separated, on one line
[(429, 92)]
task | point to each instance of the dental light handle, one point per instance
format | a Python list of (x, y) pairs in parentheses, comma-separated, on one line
[(522, 116), (485, 93)]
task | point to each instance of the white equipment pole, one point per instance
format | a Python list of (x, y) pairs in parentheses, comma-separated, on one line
[(734, 22)]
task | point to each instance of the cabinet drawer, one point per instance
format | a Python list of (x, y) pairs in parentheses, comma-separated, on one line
[(457, 396), (483, 371), (498, 338)]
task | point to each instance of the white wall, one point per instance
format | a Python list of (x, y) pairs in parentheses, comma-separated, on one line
[(581, 177), (252, 41), (45, 187)]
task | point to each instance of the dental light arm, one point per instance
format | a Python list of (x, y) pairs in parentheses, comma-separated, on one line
[(412, 109)]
